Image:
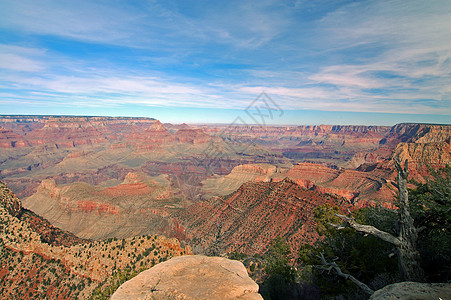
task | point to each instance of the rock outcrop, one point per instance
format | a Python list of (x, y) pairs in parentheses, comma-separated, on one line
[(192, 136), (191, 277), (413, 132), (224, 185), (9, 201), (414, 290)]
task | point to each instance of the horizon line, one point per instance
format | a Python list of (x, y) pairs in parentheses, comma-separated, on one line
[(215, 123)]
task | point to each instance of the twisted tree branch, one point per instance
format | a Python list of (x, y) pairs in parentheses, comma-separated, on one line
[(385, 236), (328, 266)]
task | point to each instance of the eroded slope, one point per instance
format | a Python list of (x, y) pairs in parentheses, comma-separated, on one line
[(39, 261)]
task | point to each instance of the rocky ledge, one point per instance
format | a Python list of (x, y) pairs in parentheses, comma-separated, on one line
[(414, 290), (191, 277)]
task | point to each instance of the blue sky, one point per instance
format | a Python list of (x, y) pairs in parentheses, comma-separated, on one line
[(335, 62)]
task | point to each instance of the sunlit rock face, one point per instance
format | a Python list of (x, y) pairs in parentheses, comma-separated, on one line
[(191, 277)]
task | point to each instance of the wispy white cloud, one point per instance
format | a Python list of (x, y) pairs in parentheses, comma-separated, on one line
[(117, 89), (147, 24), (18, 58), (85, 20), (18, 63)]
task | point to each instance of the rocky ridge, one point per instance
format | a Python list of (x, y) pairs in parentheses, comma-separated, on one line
[(250, 218)]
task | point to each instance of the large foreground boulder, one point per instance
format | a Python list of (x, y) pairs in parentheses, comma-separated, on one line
[(191, 277), (413, 291)]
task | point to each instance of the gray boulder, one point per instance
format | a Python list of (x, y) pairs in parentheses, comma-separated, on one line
[(414, 291)]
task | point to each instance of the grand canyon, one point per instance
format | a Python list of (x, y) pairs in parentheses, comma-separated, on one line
[(220, 189), (231, 149)]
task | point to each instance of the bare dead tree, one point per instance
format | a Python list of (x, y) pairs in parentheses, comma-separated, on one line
[(406, 241), (328, 266), (408, 255)]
